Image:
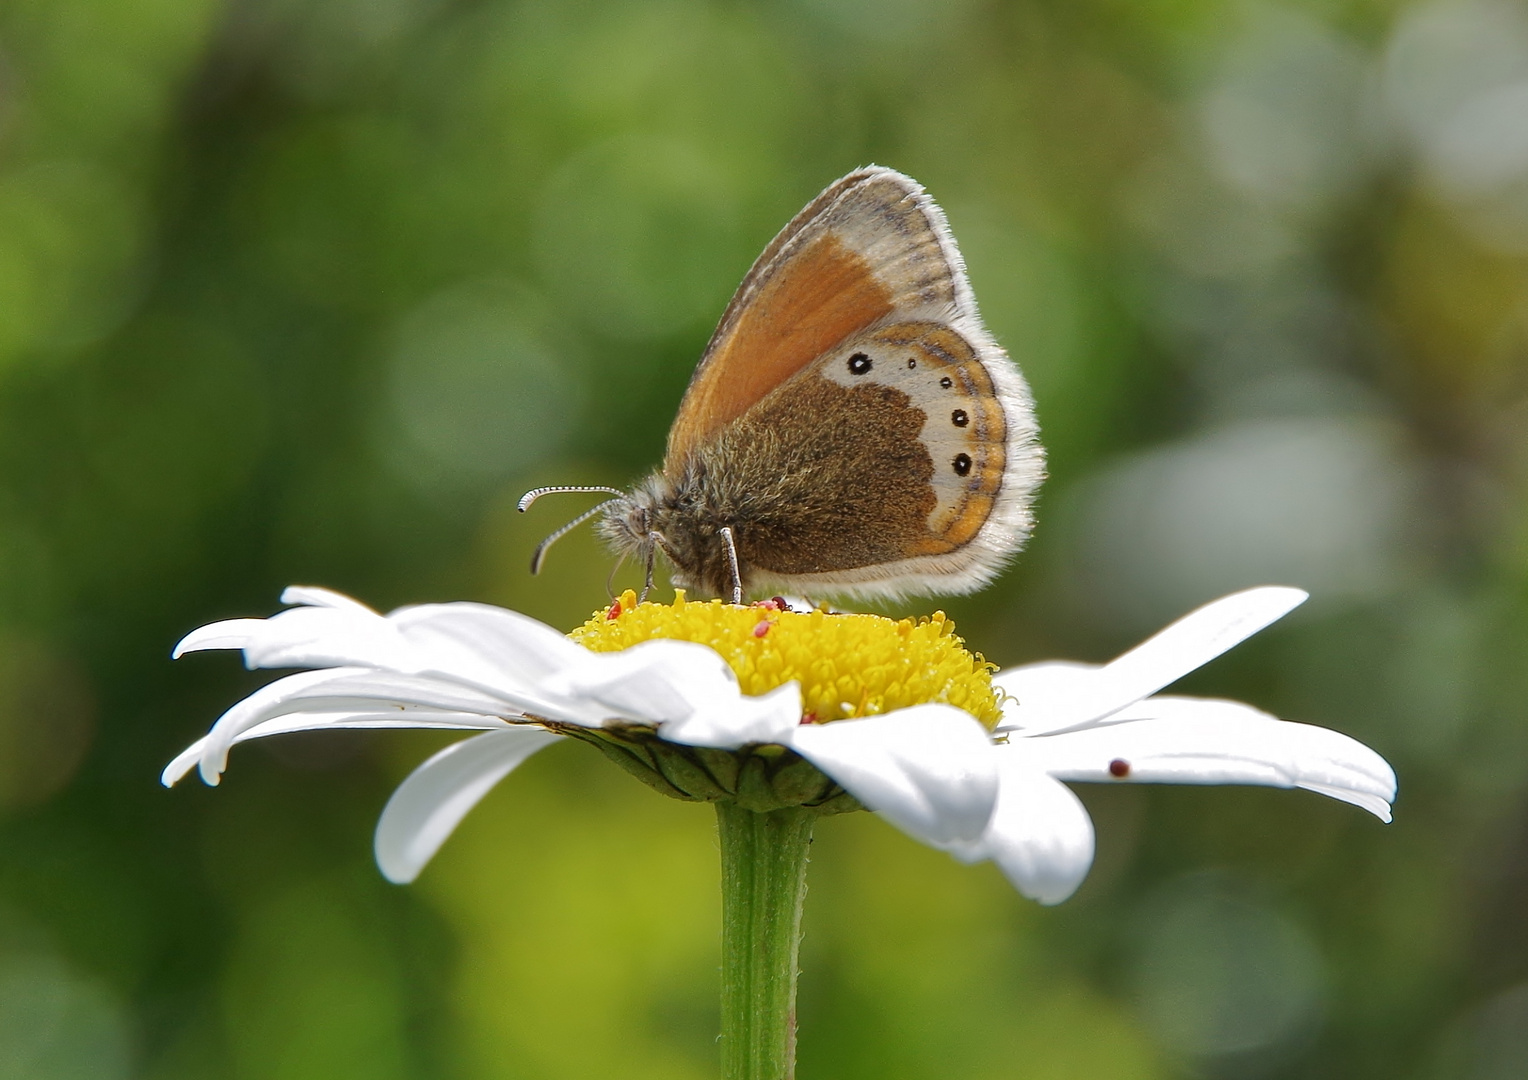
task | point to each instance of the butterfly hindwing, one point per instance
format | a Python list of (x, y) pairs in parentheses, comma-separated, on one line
[(908, 466), (964, 430)]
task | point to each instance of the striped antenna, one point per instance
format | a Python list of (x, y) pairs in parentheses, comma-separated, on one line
[(539, 555), (531, 496)]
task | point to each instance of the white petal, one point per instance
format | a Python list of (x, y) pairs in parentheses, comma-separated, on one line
[(473, 657), (308, 637), (228, 634), (340, 690), (768, 718), (486, 644), (263, 703), (475, 643), (929, 769), (1176, 740), (1035, 692), (436, 796), (1040, 834), (647, 683), (402, 719), (1060, 697), (685, 689), (316, 596), (183, 763), (405, 717)]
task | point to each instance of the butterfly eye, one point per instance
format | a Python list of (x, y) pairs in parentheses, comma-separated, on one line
[(859, 364)]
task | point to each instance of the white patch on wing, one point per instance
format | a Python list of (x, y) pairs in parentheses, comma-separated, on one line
[(941, 434)]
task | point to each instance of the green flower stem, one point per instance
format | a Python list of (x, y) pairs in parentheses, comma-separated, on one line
[(764, 860)]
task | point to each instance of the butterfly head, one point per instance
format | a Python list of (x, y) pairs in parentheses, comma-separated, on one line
[(675, 519), (629, 524)]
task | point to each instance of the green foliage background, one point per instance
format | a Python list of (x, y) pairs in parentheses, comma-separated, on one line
[(311, 291)]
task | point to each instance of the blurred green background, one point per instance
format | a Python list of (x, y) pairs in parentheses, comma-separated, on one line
[(311, 290)]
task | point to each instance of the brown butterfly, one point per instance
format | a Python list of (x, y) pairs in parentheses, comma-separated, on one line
[(851, 429)]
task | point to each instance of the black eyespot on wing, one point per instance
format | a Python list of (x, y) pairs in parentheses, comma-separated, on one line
[(959, 418), (946, 382), (859, 364), (912, 362), (962, 464)]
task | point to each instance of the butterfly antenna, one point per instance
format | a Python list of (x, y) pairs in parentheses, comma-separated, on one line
[(731, 552), (531, 496), (539, 555)]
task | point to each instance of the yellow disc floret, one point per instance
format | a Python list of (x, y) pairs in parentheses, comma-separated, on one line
[(847, 665)]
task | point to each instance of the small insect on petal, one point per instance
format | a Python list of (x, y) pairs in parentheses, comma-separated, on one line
[(762, 628), (1119, 768)]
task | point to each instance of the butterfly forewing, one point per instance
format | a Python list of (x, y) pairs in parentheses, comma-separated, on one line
[(866, 249)]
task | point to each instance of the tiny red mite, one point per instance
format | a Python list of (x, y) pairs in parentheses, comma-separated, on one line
[(1119, 768)]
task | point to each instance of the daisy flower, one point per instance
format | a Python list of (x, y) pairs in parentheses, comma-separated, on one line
[(765, 709), (777, 717)]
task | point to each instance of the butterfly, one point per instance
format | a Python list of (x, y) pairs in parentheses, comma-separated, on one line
[(851, 429)]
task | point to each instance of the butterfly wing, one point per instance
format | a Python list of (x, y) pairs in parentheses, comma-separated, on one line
[(912, 474), (871, 245), (919, 473)]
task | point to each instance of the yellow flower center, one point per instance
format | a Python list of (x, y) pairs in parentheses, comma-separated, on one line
[(847, 665)]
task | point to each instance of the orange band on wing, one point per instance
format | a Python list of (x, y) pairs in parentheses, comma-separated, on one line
[(813, 300), (973, 515)]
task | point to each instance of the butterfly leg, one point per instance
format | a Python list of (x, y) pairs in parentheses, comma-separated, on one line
[(731, 552), (652, 557), (655, 540)]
